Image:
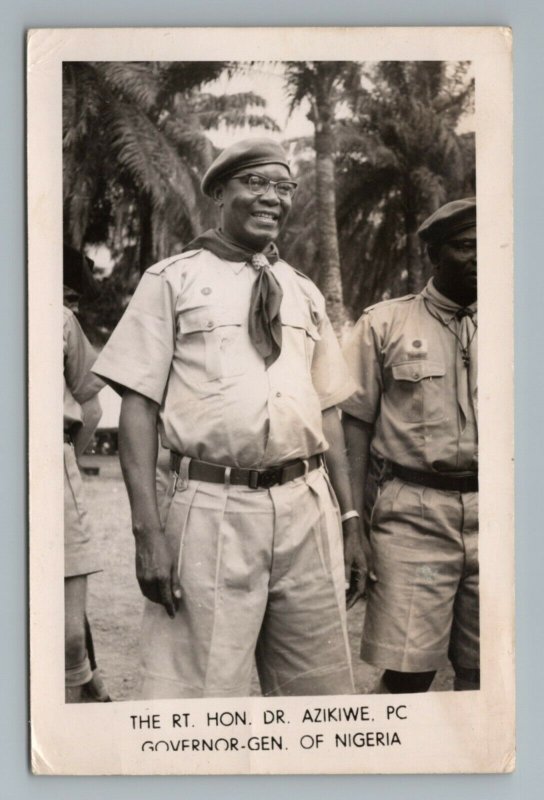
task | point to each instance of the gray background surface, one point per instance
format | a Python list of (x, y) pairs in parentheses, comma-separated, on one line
[(527, 19)]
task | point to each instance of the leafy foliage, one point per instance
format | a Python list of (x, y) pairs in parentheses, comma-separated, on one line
[(385, 153), (397, 159), (134, 150), (325, 85)]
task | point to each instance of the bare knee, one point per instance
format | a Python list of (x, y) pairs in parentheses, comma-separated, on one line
[(74, 646), (74, 620)]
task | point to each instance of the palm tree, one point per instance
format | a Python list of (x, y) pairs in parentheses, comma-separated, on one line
[(324, 85), (134, 150), (400, 159)]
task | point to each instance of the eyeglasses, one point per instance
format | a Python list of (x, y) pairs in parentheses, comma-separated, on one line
[(257, 184)]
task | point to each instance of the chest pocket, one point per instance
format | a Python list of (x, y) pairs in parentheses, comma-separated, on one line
[(211, 340), (300, 330), (417, 390)]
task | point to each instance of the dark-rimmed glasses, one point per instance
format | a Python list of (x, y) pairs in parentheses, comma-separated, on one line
[(258, 184)]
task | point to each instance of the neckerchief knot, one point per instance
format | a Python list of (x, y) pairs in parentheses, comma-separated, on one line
[(464, 312), (264, 322), (259, 260)]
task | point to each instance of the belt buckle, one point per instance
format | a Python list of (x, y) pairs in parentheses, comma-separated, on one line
[(264, 479)]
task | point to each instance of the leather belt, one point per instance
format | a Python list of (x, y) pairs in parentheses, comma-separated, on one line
[(254, 478), (437, 480)]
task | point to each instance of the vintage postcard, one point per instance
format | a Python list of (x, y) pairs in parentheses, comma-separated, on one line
[(254, 302)]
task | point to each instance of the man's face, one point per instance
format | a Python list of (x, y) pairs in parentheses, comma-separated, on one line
[(456, 267), (253, 220)]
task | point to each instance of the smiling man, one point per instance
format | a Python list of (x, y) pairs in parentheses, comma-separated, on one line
[(415, 360), (229, 351)]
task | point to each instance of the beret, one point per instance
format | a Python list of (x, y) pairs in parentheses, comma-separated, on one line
[(246, 153), (450, 219)]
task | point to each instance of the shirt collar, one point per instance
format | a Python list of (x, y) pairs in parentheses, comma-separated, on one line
[(445, 308), (236, 266)]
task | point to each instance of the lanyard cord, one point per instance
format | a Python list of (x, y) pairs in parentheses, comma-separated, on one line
[(466, 313)]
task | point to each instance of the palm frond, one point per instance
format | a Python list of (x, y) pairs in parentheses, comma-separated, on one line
[(132, 81)]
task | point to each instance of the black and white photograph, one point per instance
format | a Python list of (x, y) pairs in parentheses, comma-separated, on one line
[(267, 553)]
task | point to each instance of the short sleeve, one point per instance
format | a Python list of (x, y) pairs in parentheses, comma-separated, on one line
[(79, 357), (362, 356), (139, 353), (330, 375)]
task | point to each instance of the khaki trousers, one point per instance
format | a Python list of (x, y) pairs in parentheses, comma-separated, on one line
[(424, 608), (262, 576)]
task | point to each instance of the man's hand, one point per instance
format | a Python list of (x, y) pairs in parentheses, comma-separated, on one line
[(156, 571), (156, 567), (357, 561)]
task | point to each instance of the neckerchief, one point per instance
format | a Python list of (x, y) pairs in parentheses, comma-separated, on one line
[(461, 322), (266, 295)]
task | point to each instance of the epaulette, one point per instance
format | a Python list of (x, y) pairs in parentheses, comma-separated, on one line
[(303, 275), (384, 303), (160, 266)]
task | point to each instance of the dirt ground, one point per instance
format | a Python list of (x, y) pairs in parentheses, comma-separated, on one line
[(115, 602)]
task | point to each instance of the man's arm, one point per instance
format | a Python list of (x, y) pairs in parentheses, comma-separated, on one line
[(338, 467), (358, 438), (91, 412), (155, 565)]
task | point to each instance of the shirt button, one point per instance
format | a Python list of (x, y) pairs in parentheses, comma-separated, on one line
[(416, 375), (210, 324), (416, 343), (278, 394)]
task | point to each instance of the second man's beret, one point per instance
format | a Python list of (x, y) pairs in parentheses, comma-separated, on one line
[(454, 217)]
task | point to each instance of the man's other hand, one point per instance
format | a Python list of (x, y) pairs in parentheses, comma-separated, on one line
[(156, 571), (357, 561)]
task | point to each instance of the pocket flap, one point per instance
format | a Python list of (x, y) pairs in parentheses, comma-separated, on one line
[(296, 318), (417, 370), (207, 318)]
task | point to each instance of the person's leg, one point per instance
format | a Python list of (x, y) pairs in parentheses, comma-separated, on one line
[(303, 647), (406, 682), (466, 680), (465, 634), (418, 559), (76, 662), (80, 559), (95, 690), (222, 538), (89, 643)]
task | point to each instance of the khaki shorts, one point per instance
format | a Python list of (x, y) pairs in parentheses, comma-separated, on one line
[(262, 577), (424, 609), (80, 552)]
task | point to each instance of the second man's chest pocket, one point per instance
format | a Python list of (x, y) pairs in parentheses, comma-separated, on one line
[(211, 340), (417, 389)]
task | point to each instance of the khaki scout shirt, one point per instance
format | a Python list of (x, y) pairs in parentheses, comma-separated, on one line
[(183, 342), (80, 384), (407, 364)]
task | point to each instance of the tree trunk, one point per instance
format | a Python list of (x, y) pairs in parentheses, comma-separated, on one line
[(146, 232), (329, 256), (414, 266)]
